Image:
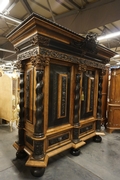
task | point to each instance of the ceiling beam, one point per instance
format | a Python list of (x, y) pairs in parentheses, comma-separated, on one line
[(94, 15), (26, 6), (37, 3), (10, 18), (72, 4), (12, 6), (7, 50), (63, 4), (50, 9)]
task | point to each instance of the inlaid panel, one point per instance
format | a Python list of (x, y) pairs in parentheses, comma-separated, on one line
[(59, 95), (28, 95), (62, 95)]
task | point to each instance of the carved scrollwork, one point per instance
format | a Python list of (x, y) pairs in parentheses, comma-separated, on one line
[(81, 68), (88, 45), (18, 65), (40, 61), (69, 58), (28, 54), (39, 39)]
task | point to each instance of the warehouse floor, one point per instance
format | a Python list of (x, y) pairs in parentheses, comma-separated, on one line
[(97, 161)]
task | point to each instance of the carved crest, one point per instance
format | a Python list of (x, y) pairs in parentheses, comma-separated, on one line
[(88, 45)]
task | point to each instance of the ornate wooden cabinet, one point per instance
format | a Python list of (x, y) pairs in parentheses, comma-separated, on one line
[(114, 101), (60, 89)]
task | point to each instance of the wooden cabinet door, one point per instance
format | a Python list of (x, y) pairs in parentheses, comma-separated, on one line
[(59, 95), (115, 86), (114, 116)]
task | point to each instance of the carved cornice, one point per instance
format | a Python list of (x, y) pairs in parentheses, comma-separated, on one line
[(40, 40), (40, 61), (70, 58), (28, 54)]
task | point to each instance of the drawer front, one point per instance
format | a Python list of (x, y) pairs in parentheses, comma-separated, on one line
[(58, 139), (86, 129)]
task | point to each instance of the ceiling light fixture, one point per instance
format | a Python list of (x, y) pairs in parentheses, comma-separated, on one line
[(116, 56), (108, 36), (3, 4), (11, 18)]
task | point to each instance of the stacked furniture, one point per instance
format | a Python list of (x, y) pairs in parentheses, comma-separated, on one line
[(61, 77), (9, 98), (114, 101)]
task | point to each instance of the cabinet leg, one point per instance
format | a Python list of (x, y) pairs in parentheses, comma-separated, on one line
[(21, 154), (75, 152), (97, 139), (37, 171)]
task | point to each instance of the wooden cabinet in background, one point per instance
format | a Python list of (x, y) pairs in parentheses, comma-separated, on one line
[(61, 77), (9, 98), (114, 101)]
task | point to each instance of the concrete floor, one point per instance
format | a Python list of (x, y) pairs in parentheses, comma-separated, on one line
[(97, 161)]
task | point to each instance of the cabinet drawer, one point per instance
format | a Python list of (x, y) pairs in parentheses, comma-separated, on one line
[(58, 139), (86, 129)]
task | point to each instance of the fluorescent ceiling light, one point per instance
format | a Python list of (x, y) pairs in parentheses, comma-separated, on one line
[(107, 65), (3, 4), (7, 50), (11, 18), (108, 36), (116, 56)]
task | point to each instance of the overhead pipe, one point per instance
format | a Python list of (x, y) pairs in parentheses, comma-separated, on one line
[(7, 50)]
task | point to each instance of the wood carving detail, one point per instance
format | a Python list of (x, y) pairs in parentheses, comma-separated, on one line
[(40, 40), (40, 61), (28, 54), (77, 99), (27, 94), (88, 45), (38, 131), (70, 58), (21, 112), (62, 95)]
